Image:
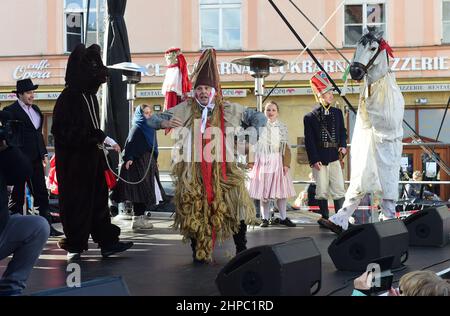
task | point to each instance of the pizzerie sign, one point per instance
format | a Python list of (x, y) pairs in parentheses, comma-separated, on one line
[(39, 70)]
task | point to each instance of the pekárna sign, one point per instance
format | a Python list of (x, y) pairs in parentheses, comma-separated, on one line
[(242, 93), (37, 96), (229, 93), (355, 90)]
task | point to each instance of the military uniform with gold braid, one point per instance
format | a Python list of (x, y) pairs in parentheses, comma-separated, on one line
[(325, 134)]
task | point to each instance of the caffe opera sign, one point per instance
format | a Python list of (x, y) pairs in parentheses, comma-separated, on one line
[(39, 70)]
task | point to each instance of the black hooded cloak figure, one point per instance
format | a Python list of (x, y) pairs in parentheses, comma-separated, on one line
[(80, 162)]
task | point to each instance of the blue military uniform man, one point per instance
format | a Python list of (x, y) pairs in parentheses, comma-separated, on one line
[(325, 141)]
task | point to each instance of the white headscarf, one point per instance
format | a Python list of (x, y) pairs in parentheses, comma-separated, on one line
[(209, 106)]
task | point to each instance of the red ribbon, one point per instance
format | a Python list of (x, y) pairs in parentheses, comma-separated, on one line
[(207, 165), (186, 85), (207, 173), (224, 149), (385, 46)]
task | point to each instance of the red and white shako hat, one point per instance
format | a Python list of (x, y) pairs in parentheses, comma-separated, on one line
[(320, 83)]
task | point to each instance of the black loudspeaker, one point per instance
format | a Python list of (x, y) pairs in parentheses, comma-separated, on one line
[(111, 286), (429, 227), (360, 245), (290, 268)]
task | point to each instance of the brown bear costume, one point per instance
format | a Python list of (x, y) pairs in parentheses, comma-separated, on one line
[(80, 162)]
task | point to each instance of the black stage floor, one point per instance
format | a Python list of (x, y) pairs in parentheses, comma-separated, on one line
[(160, 264)]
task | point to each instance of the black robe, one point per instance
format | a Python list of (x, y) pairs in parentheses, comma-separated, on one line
[(80, 164)]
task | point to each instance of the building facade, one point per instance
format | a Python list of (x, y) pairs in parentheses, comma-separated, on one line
[(418, 30)]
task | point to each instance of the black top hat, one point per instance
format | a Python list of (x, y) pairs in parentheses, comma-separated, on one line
[(24, 86)]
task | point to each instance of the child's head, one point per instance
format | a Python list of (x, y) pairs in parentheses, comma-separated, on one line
[(423, 283), (271, 110)]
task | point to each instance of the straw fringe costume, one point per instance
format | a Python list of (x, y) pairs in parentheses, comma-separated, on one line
[(212, 202)]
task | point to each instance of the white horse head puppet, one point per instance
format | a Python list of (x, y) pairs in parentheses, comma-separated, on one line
[(378, 132), (370, 57)]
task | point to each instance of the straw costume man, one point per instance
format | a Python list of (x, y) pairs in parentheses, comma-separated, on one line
[(211, 199)]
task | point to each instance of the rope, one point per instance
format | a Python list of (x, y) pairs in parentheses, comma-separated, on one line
[(306, 48), (95, 123)]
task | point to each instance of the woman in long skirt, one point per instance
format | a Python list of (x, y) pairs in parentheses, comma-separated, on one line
[(140, 162)]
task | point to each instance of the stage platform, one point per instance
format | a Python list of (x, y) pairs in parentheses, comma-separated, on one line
[(161, 264)]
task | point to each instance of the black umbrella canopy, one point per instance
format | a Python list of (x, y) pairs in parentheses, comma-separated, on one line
[(118, 51)]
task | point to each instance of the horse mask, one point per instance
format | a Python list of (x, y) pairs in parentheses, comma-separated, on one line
[(85, 69), (367, 52)]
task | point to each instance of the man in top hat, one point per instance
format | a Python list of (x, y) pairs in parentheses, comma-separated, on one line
[(325, 140), (34, 149), (211, 199)]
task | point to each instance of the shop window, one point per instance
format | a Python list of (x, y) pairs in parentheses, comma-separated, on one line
[(362, 14), (446, 21), (410, 118), (430, 122), (76, 21), (46, 130), (220, 25)]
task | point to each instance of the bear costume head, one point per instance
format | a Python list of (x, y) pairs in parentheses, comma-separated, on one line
[(85, 70)]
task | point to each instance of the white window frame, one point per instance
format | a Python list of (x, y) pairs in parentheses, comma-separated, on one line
[(83, 12), (364, 3), (220, 6), (442, 25)]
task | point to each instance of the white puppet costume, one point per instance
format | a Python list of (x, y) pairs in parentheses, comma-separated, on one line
[(376, 149), (377, 139)]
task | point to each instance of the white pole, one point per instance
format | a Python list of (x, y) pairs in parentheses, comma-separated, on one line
[(98, 21), (105, 54)]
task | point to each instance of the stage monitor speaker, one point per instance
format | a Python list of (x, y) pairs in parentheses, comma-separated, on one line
[(429, 227), (290, 268), (360, 245), (110, 286)]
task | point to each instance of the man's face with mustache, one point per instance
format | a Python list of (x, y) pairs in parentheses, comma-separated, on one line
[(202, 94)]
